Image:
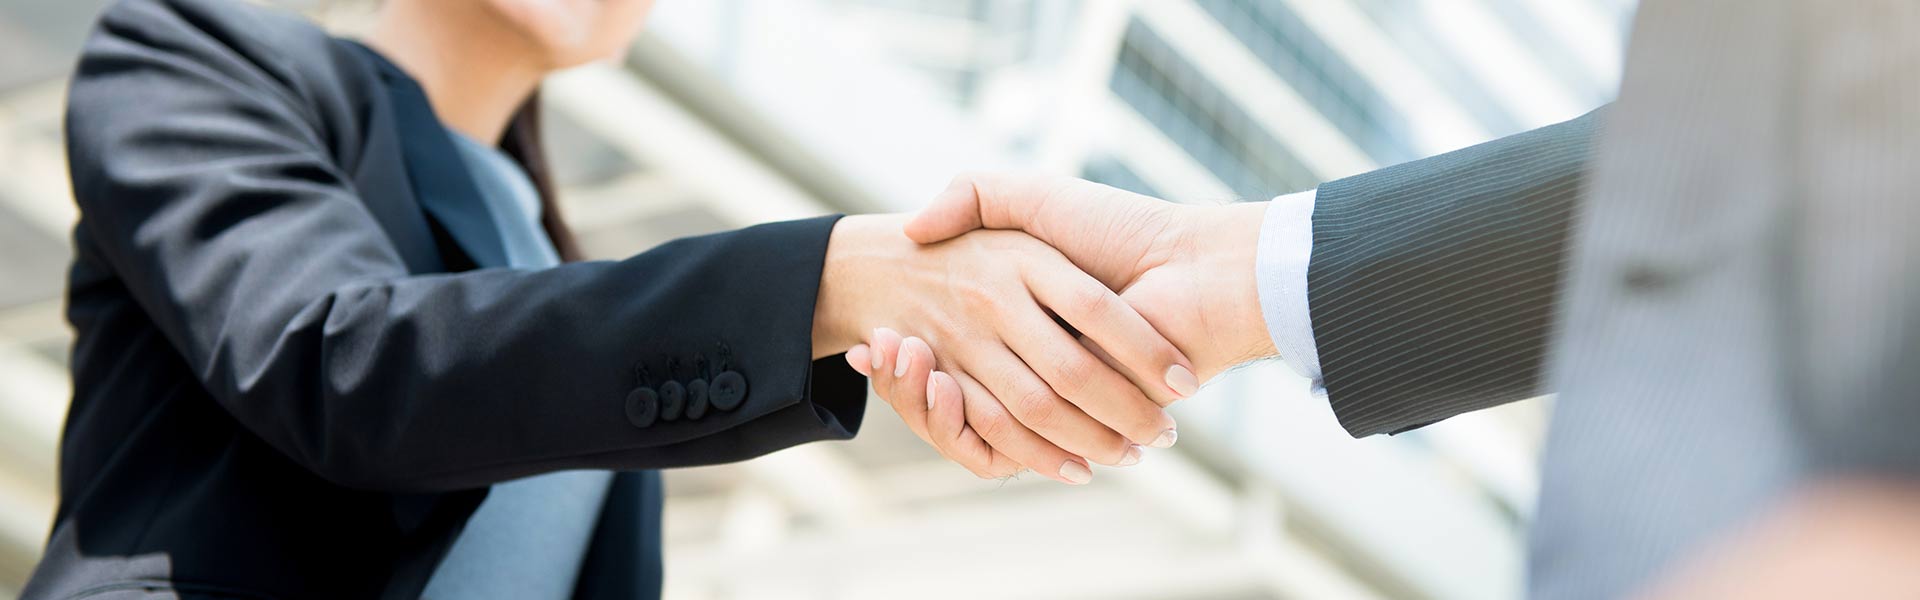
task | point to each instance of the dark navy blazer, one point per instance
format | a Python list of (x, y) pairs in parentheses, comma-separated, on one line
[(281, 391)]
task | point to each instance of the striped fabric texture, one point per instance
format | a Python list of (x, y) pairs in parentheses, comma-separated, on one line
[(1739, 316), (1433, 284)]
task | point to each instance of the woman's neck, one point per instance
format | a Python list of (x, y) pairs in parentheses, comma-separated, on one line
[(476, 72)]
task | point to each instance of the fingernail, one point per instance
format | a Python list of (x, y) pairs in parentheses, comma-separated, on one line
[(855, 350), (1166, 439), (875, 351), (900, 362), (931, 391), (1132, 456), (1075, 473), (1182, 381)]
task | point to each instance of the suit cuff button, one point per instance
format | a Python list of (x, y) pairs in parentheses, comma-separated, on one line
[(696, 398), (727, 391), (673, 400), (643, 406)]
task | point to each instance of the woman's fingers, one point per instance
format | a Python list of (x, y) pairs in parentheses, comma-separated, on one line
[(1112, 400), (860, 357), (1167, 437), (999, 428), (883, 346), (907, 380), (884, 359), (947, 427), (1100, 314), (904, 380)]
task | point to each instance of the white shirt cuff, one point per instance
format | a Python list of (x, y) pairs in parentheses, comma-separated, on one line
[(1280, 272)]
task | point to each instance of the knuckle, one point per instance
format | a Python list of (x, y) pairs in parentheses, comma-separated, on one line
[(1131, 412), (981, 296), (1038, 407), (1108, 453), (1164, 353), (908, 404), (1090, 301), (1075, 373), (1151, 420), (994, 427), (981, 184)]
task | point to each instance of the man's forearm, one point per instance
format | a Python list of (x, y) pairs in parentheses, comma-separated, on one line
[(1434, 284)]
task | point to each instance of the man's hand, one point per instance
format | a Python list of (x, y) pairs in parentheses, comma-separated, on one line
[(1188, 269)]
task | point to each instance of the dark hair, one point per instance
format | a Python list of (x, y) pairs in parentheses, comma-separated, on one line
[(523, 143)]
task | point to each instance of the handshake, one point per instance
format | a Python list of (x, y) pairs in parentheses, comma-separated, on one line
[(1057, 334)]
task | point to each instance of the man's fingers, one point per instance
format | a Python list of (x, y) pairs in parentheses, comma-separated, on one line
[(1167, 437), (955, 211), (1110, 398), (1000, 429), (984, 200), (1032, 399), (1101, 315)]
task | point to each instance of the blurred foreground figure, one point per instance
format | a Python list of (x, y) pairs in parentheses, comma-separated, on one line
[(1741, 313)]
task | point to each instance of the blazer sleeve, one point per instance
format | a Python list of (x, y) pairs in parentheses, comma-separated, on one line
[(1432, 284), (207, 188)]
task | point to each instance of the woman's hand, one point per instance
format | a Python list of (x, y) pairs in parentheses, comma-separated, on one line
[(987, 302), (929, 402)]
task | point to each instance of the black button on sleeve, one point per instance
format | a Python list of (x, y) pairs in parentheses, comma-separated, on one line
[(727, 391), (673, 400), (696, 398), (643, 405)]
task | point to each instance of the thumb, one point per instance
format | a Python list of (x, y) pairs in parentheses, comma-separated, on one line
[(955, 211)]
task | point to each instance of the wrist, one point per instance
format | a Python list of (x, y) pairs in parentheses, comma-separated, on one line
[(833, 308), (1226, 247)]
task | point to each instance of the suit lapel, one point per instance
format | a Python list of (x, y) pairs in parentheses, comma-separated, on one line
[(380, 175), (436, 172)]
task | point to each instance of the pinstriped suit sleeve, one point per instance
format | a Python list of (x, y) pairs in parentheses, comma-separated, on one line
[(1432, 284)]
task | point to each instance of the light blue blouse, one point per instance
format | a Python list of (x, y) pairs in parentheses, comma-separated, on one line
[(527, 540)]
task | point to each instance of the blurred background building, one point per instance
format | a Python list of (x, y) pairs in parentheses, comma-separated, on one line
[(733, 112)]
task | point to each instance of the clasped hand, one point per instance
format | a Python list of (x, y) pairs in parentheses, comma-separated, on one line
[(1051, 346)]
